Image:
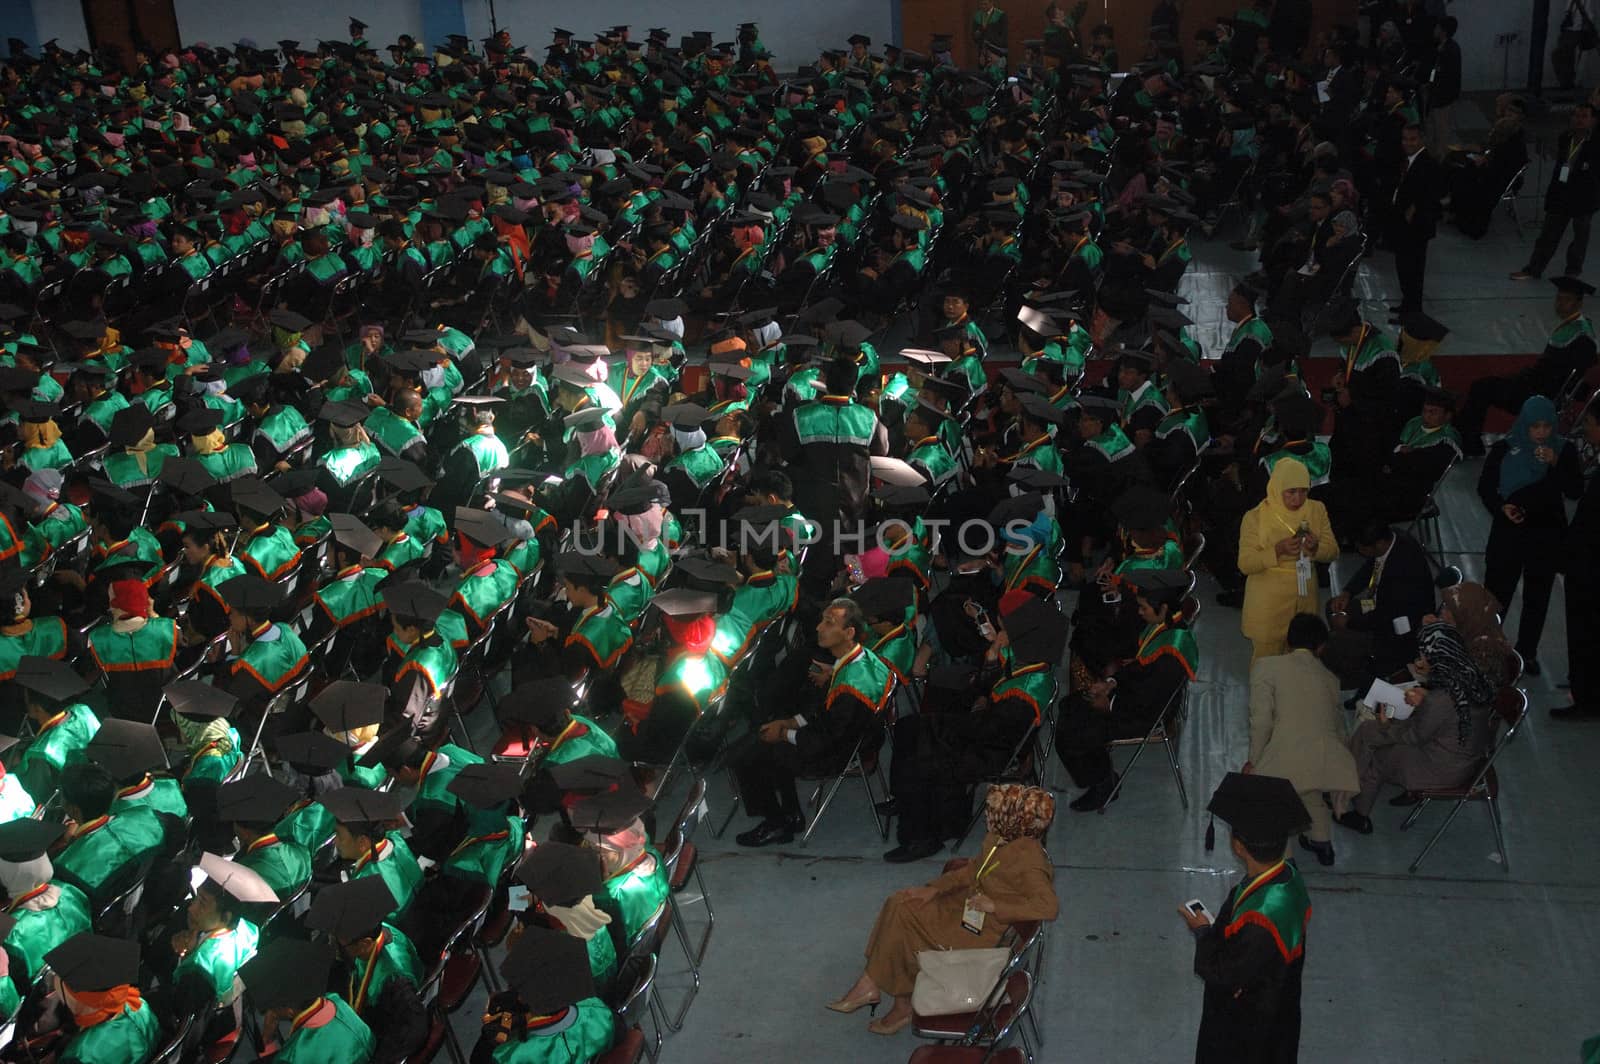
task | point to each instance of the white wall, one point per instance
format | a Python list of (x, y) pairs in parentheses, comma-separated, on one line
[(222, 22), (1483, 64), (794, 31)]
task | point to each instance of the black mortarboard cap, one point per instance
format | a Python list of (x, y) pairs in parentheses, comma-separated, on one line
[(1017, 508), (885, 598), (1038, 407), (402, 475), (1160, 585), (559, 873), (129, 425), (481, 527), (196, 698), (549, 970), (414, 599), (1422, 327), (127, 748), (27, 839), (350, 531), (311, 752), (579, 562), (250, 594), (1036, 478), (256, 799), (51, 678), (606, 813), (1142, 507), (488, 785), (343, 414), (345, 705), (91, 963), (255, 495), (594, 773), (357, 805), (1037, 631), (289, 972), (1573, 284), (351, 910), (1262, 810)]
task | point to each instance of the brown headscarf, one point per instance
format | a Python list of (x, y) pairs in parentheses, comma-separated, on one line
[(1015, 811)]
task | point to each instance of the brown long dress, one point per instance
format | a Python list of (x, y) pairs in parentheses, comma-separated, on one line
[(1019, 882)]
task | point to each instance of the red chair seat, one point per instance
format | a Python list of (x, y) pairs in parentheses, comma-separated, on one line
[(496, 924), (460, 976), (955, 1024), (964, 1055), (629, 1049), (685, 868), (515, 744)]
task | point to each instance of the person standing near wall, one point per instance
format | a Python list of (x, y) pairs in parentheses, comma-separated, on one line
[(1571, 198), (1444, 87)]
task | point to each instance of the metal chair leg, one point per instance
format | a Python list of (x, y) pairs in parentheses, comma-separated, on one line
[(1177, 773), (982, 788), (878, 820), (1454, 812), (1499, 833), (832, 788), (711, 917), (676, 1022), (1138, 751), (1416, 811), (733, 805)]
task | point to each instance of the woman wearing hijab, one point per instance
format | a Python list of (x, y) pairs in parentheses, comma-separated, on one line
[(1522, 484), (1011, 882), (1441, 743), (1284, 530), (40, 436)]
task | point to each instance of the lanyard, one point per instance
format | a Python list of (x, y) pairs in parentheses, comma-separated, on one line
[(1577, 146), (359, 994), (986, 867), (1354, 352), (1250, 887)]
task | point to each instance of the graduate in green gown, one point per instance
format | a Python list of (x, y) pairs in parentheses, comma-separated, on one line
[(214, 941), (562, 880), (62, 725), (362, 839), (45, 913), (549, 1014), (383, 975), (253, 806), (289, 979), (636, 885), (106, 851), (97, 978)]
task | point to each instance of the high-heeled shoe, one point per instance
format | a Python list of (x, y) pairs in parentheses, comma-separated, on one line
[(846, 1006), (887, 1026)]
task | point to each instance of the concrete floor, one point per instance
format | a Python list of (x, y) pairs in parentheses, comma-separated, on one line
[(1466, 962)]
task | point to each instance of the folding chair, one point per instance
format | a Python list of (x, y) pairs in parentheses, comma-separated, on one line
[(855, 765), (686, 865), (293, 694), (175, 1048), (995, 1023), (672, 854), (1163, 731), (635, 1005), (1509, 198), (1194, 545), (1510, 709), (1026, 940)]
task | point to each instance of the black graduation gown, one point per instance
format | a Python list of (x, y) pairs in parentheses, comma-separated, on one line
[(1252, 1002)]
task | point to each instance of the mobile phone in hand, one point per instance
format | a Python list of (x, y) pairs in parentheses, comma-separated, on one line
[(1198, 907)]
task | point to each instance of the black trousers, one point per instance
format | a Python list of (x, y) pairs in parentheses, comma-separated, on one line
[(1410, 263), (1550, 234), (1506, 393), (1084, 734), (1583, 620), (1514, 556), (766, 773), (931, 802)]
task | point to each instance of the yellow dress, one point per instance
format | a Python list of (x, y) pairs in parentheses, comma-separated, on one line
[(1271, 591)]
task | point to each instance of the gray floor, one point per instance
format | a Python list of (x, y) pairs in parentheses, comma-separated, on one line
[(1466, 962)]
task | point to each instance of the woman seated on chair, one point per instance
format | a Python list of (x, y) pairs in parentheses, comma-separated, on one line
[(1441, 744), (1010, 882), (1135, 690), (1475, 614), (940, 756)]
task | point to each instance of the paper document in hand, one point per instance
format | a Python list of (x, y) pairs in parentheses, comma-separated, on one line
[(1392, 697)]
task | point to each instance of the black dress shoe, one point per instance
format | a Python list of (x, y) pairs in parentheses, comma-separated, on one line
[(1405, 798), (915, 850), (1355, 822), (887, 808), (1323, 850), (767, 833), (1095, 796), (1530, 665)]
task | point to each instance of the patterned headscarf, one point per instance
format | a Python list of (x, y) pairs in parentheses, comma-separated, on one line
[(1015, 811), (1450, 666)]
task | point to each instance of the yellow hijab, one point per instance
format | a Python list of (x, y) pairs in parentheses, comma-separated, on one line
[(1277, 520)]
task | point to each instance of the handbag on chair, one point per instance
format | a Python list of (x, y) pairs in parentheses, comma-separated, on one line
[(956, 980)]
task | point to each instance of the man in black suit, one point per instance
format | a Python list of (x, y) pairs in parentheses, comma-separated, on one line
[(1444, 86), (1580, 562), (1413, 217), (1573, 194), (1340, 89), (1375, 620)]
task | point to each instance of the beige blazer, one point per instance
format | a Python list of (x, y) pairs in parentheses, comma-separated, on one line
[(1296, 726)]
